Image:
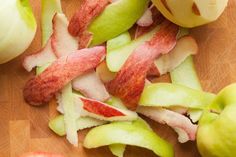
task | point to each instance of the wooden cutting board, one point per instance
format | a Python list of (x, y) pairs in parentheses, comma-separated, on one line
[(24, 128)]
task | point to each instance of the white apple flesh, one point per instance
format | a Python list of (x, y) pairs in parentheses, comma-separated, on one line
[(17, 29), (191, 13)]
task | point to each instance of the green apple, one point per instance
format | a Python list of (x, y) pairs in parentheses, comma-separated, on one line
[(167, 95), (17, 28), (191, 13), (117, 18), (130, 134), (48, 10), (216, 132), (117, 57)]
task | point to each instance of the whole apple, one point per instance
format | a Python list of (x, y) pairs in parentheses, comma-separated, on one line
[(191, 13), (17, 28), (216, 135)]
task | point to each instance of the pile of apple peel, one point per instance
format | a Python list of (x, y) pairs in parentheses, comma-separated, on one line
[(100, 76)]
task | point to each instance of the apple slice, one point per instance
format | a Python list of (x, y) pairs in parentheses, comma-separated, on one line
[(40, 154), (185, 47), (48, 9), (169, 95), (129, 82), (57, 124), (175, 120), (44, 56), (146, 19), (130, 134), (91, 86), (43, 87), (62, 42), (104, 73), (103, 111)]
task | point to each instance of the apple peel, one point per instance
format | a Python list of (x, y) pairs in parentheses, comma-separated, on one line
[(146, 19), (44, 56), (129, 134), (177, 121), (57, 124), (83, 17), (103, 111), (185, 47), (43, 87), (169, 95), (91, 86), (128, 86), (62, 42)]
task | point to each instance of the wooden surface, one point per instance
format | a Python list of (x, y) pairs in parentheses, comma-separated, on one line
[(24, 128)]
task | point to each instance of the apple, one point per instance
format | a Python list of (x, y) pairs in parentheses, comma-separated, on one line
[(17, 29), (216, 132), (168, 95), (146, 20), (129, 134), (43, 87), (128, 86), (40, 154), (191, 13)]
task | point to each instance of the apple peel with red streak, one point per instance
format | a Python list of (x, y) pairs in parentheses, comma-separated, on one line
[(181, 124), (102, 111), (130, 80), (42, 88), (83, 17), (185, 47)]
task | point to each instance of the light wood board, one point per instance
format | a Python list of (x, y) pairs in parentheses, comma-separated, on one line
[(24, 128)]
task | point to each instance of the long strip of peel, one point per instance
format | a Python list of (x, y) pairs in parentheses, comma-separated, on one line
[(70, 115), (43, 87), (58, 125), (169, 95), (130, 134), (130, 80), (48, 10)]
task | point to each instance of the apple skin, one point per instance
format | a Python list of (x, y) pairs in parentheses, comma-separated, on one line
[(127, 133), (185, 15), (167, 95), (216, 132), (18, 28), (40, 154), (117, 18)]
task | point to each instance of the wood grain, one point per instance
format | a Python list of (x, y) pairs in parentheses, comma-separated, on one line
[(24, 128)]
